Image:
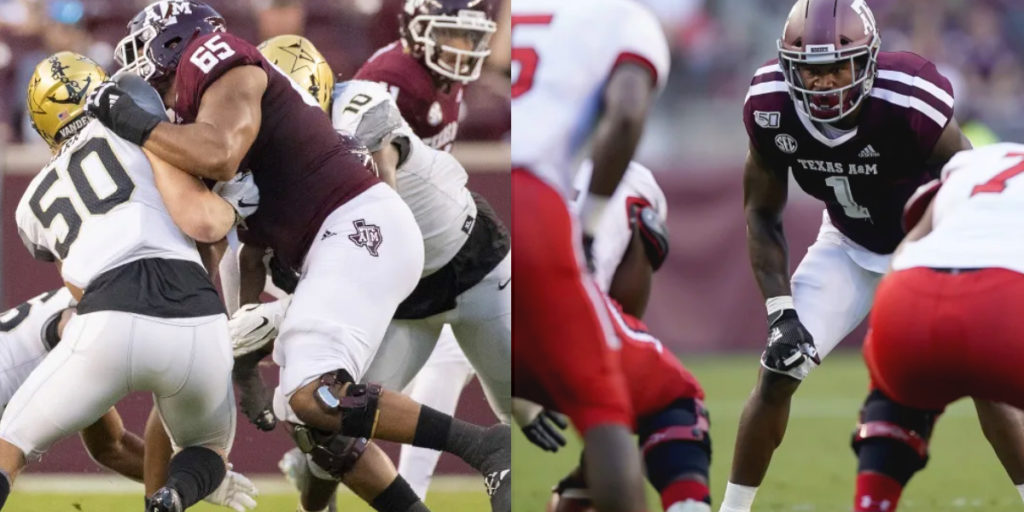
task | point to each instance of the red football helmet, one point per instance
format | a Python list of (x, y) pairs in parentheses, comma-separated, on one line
[(827, 32), (431, 28)]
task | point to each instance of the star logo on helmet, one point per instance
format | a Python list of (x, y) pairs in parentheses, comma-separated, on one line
[(303, 59)]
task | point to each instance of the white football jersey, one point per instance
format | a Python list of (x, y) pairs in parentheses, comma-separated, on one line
[(615, 231), (95, 207), (430, 181), (562, 54), (977, 215), (21, 338)]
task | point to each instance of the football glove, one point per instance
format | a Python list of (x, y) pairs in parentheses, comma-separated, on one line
[(255, 325), (789, 343), (236, 492), (116, 109), (543, 427), (241, 193)]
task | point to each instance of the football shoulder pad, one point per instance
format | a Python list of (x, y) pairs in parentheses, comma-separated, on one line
[(653, 234), (367, 111)]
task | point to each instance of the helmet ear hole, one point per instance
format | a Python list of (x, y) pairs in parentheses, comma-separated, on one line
[(173, 43), (799, 43)]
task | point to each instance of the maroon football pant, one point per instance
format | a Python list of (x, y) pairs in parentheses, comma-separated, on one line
[(936, 336), (563, 350)]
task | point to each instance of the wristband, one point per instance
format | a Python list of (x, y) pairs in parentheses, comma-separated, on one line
[(778, 304)]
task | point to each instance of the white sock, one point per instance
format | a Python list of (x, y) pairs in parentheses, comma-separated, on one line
[(1020, 489), (738, 498)]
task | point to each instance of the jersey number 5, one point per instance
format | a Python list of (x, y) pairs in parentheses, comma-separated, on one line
[(210, 53), (526, 58), (62, 206)]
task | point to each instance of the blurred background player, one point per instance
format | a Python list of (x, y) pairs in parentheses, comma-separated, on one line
[(585, 69), (672, 421), (150, 281), (860, 129), (946, 321)]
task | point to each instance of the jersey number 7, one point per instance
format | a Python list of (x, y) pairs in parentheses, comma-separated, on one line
[(527, 58), (998, 182)]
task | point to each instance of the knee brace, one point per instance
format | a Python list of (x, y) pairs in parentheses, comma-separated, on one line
[(357, 405), (676, 441), (892, 439), (334, 454)]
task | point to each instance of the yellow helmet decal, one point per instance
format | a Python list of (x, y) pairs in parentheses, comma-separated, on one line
[(300, 60), (56, 95)]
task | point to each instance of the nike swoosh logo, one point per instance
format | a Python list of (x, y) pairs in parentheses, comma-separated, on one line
[(258, 327), (244, 204), (501, 286)]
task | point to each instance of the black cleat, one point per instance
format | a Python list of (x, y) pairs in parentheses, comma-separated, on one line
[(164, 499)]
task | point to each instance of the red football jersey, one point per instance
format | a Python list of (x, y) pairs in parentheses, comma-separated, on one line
[(433, 113), (303, 168)]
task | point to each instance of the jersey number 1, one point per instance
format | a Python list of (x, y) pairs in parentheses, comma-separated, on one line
[(844, 194), (527, 58), (62, 206)]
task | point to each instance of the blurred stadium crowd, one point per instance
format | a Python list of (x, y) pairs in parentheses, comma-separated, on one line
[(717, 44), (346, 31)]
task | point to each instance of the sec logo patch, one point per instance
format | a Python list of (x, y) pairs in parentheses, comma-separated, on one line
[(786, 143)]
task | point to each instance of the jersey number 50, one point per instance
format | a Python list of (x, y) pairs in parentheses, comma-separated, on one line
[(526, 58), (62, 206)]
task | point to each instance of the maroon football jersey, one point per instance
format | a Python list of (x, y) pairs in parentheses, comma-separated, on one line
[(303, 168), (865, 175), (432, 113)]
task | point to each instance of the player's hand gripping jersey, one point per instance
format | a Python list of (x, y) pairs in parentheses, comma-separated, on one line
[(556, 90), (864, 175), (304, 168)]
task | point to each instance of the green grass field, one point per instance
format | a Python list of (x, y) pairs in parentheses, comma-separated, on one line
[(461, 495), (814, 469)]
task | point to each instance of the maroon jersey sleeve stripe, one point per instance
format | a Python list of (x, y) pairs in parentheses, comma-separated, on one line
[(636, 58)]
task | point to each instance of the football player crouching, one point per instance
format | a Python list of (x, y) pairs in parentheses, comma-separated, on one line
[(672, 422)]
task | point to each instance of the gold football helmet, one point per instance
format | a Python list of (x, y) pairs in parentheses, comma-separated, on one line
[(57, 92), (300, 60)]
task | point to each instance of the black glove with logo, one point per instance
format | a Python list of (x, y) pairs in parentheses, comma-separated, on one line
[(117, 110), (542, 430), (789, 343)]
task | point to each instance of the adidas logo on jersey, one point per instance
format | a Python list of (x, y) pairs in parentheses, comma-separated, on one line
[(868, 152)]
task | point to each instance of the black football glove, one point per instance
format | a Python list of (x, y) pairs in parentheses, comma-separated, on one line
[(283, 277), (789, 343), (119, 112), (254, 397), (542, 430)]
